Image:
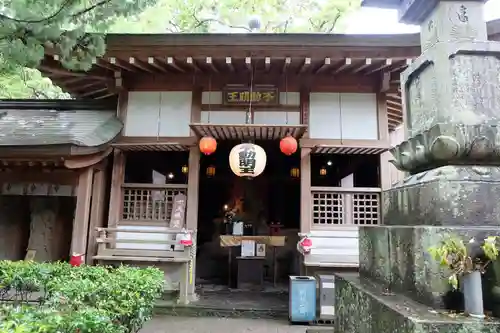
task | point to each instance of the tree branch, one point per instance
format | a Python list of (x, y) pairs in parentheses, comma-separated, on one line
[(334, 23), (66, 3), (201, 22), (48, 18)]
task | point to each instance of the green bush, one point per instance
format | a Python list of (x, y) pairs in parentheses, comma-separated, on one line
[(43, 297)]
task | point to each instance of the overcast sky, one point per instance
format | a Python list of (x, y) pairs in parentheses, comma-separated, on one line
[(383, 21)]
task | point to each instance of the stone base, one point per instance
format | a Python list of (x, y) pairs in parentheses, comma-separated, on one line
[(362, 306), (449, 195), (397, 257)]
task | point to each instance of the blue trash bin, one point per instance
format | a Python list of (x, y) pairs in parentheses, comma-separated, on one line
[(302, 302)]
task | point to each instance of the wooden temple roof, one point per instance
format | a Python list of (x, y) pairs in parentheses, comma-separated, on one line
[(316, 57)]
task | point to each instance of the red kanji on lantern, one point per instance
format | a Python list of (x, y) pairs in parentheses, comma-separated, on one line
[(288, 145), (77, 259), (208, 145)]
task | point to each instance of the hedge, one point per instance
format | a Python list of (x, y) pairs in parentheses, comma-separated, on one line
[(56, 297)]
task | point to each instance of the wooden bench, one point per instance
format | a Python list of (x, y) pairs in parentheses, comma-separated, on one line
[(125, 245)]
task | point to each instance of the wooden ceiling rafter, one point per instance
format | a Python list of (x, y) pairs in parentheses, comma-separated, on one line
[(152, 146), (248, 131), (346, 149), (99, 82)]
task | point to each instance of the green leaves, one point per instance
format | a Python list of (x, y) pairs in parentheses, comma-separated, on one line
[(453, 254), (276, 16), (27, 26), (76, 299)]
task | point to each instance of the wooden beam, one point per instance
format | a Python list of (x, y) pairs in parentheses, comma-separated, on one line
[(139, 64), (229, 64), (196, 100), (267, 64), (193, 184), (79, 162), (383, 130), (185, 141), (388, 63), (311, 143), (248, 63), (28, 175), (117, 178), (82, 213), (304, 100), (154, 63), (400, 65), (305, 66), (305, 190), (347, 63), (316, 83), (326, 64), (192, 207), (191, 63), (367, 63), (122, 64), (171, 62), (287, 63), (98, 205), (210, 64)]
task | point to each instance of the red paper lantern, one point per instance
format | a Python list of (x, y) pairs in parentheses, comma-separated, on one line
[(288, 145), (208, 145)]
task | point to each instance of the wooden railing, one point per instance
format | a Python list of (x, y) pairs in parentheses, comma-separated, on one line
[(149, 202), (338, 206)]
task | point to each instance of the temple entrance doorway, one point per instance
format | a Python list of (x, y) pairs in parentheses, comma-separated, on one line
[(266, 207)]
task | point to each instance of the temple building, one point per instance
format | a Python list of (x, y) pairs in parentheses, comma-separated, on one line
[(125, 154)]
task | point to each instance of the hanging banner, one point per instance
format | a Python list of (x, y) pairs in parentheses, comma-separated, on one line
[(247, 160), (257, 95)]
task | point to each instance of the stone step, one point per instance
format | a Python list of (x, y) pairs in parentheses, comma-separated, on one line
[(171, 308), (366, 307), (228, 304)]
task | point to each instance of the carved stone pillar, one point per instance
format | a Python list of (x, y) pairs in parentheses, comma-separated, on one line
[(451, 97)]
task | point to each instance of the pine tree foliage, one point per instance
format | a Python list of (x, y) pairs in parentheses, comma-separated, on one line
[(72, 28)]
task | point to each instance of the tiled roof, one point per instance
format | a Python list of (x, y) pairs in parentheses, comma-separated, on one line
[(35, 127)]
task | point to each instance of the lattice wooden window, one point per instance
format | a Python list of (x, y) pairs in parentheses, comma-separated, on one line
[(148, 204), (366, 208), (327, 208)]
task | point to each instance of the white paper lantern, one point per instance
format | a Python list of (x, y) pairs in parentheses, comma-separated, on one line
[(247, 160)]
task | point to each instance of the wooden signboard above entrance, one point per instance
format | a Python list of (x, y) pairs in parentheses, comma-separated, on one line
[(240, 95)]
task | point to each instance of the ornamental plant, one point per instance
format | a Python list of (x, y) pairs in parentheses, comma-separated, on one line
[(56, 297), (454, 254)]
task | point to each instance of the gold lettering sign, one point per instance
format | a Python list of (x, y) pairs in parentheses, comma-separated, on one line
[(256, 95)]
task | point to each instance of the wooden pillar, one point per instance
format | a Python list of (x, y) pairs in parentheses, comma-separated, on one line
[(97, 214), (117, 178), (82, 212), (193, 192), (304, 109), (383, 134), (193, 188), (305, 190), (192, 214), (383, 122)]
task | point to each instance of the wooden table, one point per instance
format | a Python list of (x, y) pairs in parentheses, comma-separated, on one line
[(230, 241)]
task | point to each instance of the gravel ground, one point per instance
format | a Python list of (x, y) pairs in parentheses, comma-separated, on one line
[(218, 325)]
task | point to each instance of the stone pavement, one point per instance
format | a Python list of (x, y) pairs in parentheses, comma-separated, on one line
[(164, 324)]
